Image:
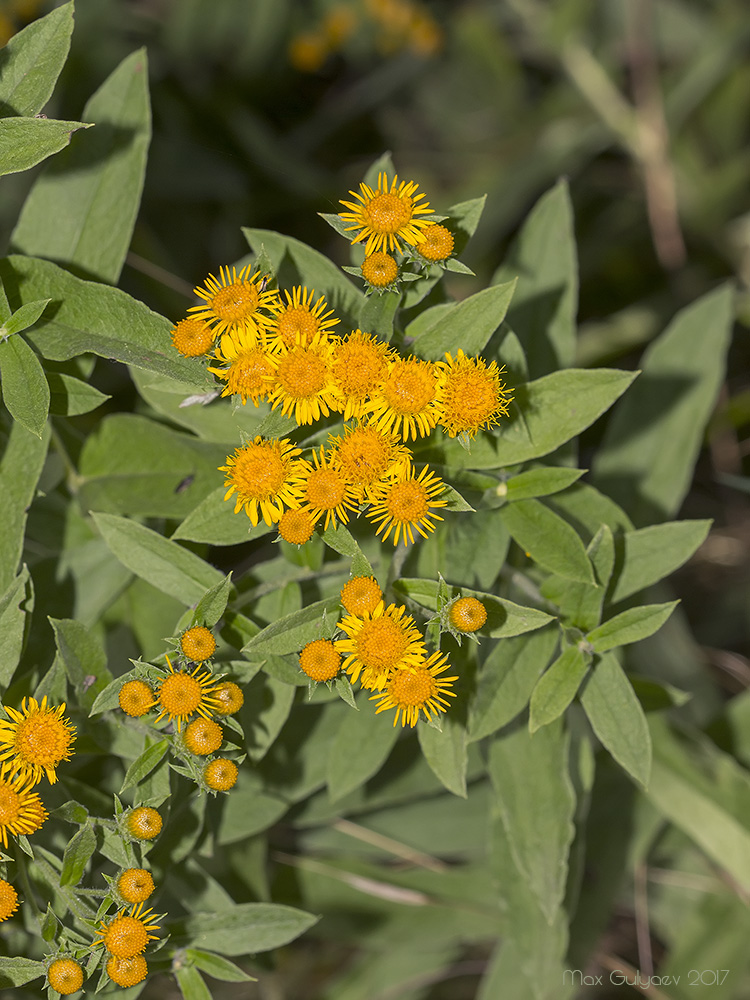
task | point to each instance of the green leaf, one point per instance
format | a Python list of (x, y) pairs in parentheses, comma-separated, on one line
[(358, 749), (17, 971), (32, 61), (617, 718), (69, 396), (163, 563), (290, 633), (212, 605), (540, 482), (341, 540), (543, 257), (16, 605), (652, 441), (82, 208), (377, 314), (652, 553), (24, 142), (214, 521), (86, 316), (446, 752), (630, 626), (557, 687), (248, 928), (50, 926), (22, 456), (24, 317), (145, 764), (580, 603), (218, 967), (25, 388), (80, 848), (469, 323), (548, 539), (191, 983), (83, 657)]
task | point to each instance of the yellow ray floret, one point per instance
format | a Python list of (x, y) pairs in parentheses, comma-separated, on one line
[(299, 321), (326, 491), (471, 394), (367, 456), (386, 215), (36, 739), (127, 934), (359, 365), (418, 689), (407, 399), (265, 477), (304, 387), (378, 643), (246, 361), (21, 810), (406, 504), (234, 300), (183, 694)]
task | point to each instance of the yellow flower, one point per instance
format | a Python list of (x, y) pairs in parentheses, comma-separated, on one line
[(144, 823), (220, 774), (65, 976), (379, 269), (235, 300), (36, 739), (406, 401), (378, 643), (8, 900), (182, 693), (127, 934), (437, 243), (467, 614), (327, 491), (230, 698), (127, 971), (198, 643), (361, 595), (296, 526), (265, 475), (367, 455), (135, 885), (386, 215), (135, 698), (406, 504), (299, 321), (246, 362), (308, 51), (320, 660), (21, 810), (409, 691), (470, 394), (303, 386), (203, 736), (192, 337), (358, 367)]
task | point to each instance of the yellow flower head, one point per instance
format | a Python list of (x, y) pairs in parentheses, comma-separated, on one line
[(361, 595), (367, 455), (21, 810), (220, 774), (247, 363), (470, 394), (235, 300), (203, 736), (437, 244), (230, 698), (143, 823), (406, 504), (65, 975), (296, 526), (467, 614), (418, 689), (327, 491), (265, 476), (298, 321), (127, 934), (358, 367), (320, 660), (378, 643), (379, 269), (127, 971), (135, 698), (8, 900), (135, 885), (304, 387), (36, 739), (192, 337), (181, 694), (386, 215), (406, 401), (198, 643)]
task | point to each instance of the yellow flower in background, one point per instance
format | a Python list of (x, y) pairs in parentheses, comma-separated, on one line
[(308, 51), (198, 643), (361, 595), (359, 364), (234, 300), (127, 971), (245, 360), (183, 694), (320, 660), (135, 698), (379, 269), (127, 934), (65, 975), (379, 642), (417, 689), (467, 614), (408, 504), (8, 900), (407, 399), (299, 321), (36, 739), (471, 395), (296, 526), (437, 244), (326, 491), (265, 476), (221, 774), (386, 215), (304, 388), (21, 810), (367, 455), (192, 337)]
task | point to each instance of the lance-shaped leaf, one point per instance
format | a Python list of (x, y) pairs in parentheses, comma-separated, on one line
[(557, 687), (23, 455), (359, 748), (290, 633), (248, 928), (548, 539), (445, 750), (24, 142), (80, 848), (469, 323), (25, 387), (630, 626), (32, 61), (650, 554)]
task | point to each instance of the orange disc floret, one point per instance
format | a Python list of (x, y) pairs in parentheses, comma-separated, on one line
[(467, 614), (296, 526), (220, 774), (367, 455), (230, 698), (182, 693), (127, 971), (379, 269), (144, 823), (407, 504), (36, 739), (471, 394), (361, 595), (418, 689), (379, 643), (192, 337), (264, 476), (359, 365), (135, 885), (135, 698), (246, 362), (437, 244), (127, 934), (65, 975), (320, 660), (198, 643), (8, 900), (406, 402), (386, 215), (299, 321), (234, 301), (203, 736)]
